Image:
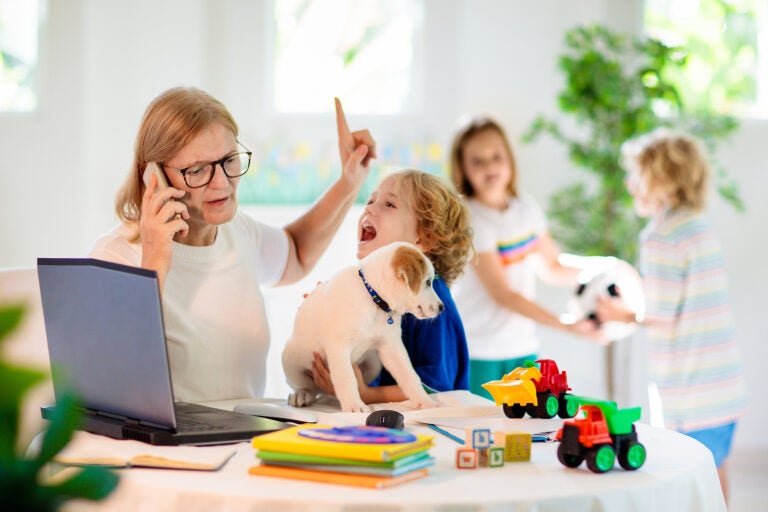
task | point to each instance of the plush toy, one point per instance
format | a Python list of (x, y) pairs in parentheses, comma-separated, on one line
[(613, 277)]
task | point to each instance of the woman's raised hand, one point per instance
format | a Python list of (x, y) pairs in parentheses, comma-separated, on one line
[(356, 149)]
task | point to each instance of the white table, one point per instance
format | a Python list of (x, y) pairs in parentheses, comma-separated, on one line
[(678, 475)]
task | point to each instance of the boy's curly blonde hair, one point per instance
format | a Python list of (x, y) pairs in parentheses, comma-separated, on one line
[(673, 165), (442, 219)]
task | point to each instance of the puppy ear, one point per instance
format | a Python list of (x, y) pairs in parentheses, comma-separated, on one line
[(410, 267)]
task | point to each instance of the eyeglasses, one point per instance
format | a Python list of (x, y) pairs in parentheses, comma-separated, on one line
[(199, 175)]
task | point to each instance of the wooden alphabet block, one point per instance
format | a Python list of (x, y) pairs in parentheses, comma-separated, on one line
[(466, 458), (517, 445), (478, 438)]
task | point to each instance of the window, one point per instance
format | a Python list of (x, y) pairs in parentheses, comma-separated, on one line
[(727, 46), (18, 54), (361, 50)]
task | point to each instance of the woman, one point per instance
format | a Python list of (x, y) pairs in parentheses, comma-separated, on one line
[(212, 260)]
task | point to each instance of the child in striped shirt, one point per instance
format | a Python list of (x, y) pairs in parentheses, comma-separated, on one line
[(694, 358)]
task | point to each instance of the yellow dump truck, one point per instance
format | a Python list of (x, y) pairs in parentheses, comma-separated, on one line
[(540, 391)]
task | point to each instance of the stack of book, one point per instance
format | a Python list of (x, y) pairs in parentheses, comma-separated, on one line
[(373, 457)]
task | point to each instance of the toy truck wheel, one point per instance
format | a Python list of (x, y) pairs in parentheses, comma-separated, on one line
[(632, 455), (548, 406), (568, 407), (568, 460), (601, 458), (514, 410)]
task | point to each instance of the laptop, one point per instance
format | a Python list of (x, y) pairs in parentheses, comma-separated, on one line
[(106, 343)]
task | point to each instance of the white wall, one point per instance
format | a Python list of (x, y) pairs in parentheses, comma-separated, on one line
[(103, 60)]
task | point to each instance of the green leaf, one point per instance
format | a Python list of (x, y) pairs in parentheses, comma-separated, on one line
[(65, 419), (10, 318), (92, 483), (14, 383)]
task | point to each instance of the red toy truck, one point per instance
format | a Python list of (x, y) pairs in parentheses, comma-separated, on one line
[(599, 436), (541, 392)]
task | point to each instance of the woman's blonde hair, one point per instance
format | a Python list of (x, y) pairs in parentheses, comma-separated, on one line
[(468, 129), (442, 220), (169, 123), (673, 165)]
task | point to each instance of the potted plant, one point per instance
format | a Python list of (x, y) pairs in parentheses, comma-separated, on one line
[(616, 88), (23, 484)]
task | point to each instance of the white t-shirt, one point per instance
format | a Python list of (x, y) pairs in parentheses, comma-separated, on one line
[(215, 320), (494, 332)]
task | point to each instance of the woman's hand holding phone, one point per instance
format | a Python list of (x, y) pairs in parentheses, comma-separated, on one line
[(161, 218)]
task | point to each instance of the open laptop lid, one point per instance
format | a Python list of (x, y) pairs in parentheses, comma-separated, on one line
[(106, 337)]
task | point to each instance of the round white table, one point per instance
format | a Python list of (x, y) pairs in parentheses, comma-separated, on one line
[(678, 475)]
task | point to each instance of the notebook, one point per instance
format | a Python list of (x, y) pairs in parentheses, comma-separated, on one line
[(106, 343)]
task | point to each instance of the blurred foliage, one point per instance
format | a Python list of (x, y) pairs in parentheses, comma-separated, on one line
[(721, 40), (23, 484), (616, 88)]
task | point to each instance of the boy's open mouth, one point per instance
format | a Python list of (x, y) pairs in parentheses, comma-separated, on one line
[(368, 233)]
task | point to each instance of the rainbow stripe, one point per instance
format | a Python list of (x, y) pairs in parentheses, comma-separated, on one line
[(513, 251)]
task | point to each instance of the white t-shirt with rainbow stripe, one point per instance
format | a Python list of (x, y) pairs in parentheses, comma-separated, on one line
[(494, 332)]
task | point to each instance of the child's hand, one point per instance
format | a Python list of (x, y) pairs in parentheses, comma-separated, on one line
[(613, 309), (322, 376), (356, 149), (589, 330)]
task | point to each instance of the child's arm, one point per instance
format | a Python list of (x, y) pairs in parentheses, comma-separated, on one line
[(368, 394), (557, 271), (491, 273)]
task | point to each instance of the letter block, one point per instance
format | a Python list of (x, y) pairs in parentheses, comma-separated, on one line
[(517, 445), (478, 438), (466, 458)]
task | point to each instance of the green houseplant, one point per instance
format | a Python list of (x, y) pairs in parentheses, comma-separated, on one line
[(22, 482), (616, 88)]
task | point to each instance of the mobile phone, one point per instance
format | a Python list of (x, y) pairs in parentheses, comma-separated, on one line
[(153, 168), (162, 182)]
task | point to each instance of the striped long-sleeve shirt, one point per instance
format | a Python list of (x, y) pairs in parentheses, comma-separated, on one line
[(694, 358)]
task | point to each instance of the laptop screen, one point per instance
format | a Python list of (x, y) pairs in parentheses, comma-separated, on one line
[(106, 340)]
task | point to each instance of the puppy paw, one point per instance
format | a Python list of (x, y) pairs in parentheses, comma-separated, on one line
[(358, 406), (301, 398)]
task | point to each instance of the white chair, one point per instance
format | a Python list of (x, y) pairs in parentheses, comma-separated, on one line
[(27, 345)]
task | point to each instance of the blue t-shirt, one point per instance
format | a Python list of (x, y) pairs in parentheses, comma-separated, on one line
[(436, 346)]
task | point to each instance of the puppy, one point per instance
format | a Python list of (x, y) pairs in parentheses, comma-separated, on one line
[(354, 317)]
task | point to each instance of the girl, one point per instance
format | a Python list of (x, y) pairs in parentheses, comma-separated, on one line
[(694, 359), (496, 298), (417, 207)]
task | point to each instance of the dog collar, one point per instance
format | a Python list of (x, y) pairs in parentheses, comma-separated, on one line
[(376, 299)]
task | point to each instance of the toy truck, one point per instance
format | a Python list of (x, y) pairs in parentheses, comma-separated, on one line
[(539, 391), (603, 432)]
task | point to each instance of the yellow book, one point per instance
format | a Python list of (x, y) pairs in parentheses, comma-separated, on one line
[(290, 440), (332, 477), (87, 449)]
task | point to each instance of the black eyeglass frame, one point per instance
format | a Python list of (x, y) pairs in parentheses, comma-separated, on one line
[(214, 164)]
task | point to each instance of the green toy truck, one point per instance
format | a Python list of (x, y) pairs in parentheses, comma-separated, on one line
[(603, 433)]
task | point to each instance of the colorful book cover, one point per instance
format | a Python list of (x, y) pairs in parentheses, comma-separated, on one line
[(332, 477), (359, 470), (291, 440), (299, 458)]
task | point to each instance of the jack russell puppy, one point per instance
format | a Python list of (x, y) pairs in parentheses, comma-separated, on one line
[(354, 317)]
